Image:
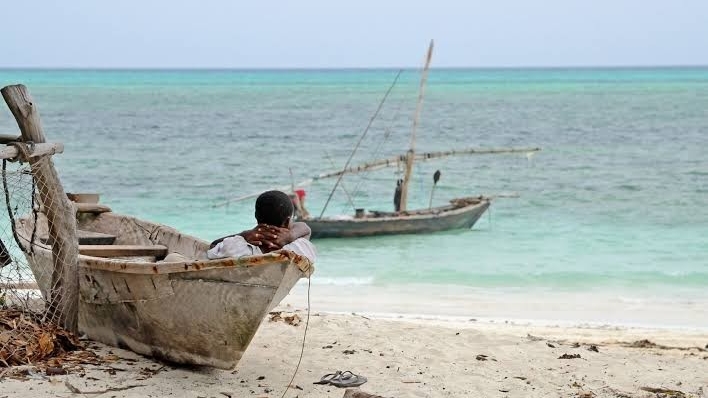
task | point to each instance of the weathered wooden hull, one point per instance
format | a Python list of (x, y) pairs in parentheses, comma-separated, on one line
[(437, 219), (197, 311)]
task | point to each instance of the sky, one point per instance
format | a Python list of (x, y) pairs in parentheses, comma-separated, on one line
[(361, 33)]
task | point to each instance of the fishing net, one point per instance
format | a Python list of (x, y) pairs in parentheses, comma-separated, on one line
[(34, 294)]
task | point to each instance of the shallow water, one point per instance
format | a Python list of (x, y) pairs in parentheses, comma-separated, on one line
[(615, 202)]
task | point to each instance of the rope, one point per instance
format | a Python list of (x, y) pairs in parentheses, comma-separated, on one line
[(304, 336), (35, 211), (9, 206), (366, 130), (24, 153), (387, 134), (24, 150)]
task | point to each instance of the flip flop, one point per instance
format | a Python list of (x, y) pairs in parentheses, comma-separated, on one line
[(347, 379), (326, 379), (342, 379)]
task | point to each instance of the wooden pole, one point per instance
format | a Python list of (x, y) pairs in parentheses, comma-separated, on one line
[(63, 298), (388, 162), (410, 156)]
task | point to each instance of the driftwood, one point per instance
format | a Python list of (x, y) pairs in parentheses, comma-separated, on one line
[(63, 300), (356, 393)]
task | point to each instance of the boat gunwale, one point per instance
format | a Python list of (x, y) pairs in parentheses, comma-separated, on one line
[(428, 215), (281, 257)]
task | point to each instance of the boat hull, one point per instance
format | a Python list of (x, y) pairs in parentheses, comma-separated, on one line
[(197, 311), (435, 220)]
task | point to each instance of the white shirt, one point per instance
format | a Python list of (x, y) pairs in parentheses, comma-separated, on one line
[(236, 246)]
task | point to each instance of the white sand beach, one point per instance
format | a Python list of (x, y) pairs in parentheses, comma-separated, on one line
[(411, 358)]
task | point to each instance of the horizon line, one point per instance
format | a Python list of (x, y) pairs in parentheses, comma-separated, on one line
[(344, 68)]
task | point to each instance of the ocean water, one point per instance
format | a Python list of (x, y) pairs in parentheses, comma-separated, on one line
[(610, 224)]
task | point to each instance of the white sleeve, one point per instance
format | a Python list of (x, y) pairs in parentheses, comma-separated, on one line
[(302, 247), (234, 246)]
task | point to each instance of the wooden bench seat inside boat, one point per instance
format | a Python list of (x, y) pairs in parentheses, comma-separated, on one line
[(86, 238), (91, 208), (94, 238), (158, 251)]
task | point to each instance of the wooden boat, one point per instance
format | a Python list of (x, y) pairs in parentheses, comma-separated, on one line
[(460, 213), (190, 310)]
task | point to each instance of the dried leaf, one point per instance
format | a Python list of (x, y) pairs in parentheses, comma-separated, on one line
[(667, 392), (569, 356), (46, 345), (292, 320)]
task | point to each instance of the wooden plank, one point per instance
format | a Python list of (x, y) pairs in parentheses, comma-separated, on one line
[(123, 250), (91, 208), (94, 238), (83, 197), (40, 149)]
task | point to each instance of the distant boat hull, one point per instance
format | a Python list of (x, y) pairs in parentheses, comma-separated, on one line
[(462, 214), (192, 311)]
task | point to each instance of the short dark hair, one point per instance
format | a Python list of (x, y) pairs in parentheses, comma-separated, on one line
[(274, 208)]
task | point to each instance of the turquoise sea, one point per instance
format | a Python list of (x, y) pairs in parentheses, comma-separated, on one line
[(610, 226)]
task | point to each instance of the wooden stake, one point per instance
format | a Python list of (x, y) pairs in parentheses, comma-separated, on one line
[(63, 300)]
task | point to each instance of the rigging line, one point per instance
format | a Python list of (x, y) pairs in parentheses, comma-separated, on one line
[(304, 335), (371, 121), (349, 197), (292, 179), (387, 134)]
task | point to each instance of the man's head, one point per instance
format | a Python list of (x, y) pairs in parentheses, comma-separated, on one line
[(274, 208)]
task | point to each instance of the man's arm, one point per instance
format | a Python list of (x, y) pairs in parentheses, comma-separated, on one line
[(270, 238), (216, 242), (300, 230), (233, 246), (260, 235)]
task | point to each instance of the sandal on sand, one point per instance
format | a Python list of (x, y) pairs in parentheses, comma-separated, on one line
[(342, 379), (328, 377)]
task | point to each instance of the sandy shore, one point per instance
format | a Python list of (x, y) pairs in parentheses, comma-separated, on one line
[(411, 358)]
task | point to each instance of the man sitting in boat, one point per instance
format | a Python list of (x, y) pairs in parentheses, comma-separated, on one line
[(275, 230), (298, 199)]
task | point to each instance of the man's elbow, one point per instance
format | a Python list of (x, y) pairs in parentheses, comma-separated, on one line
[(302, 230)]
